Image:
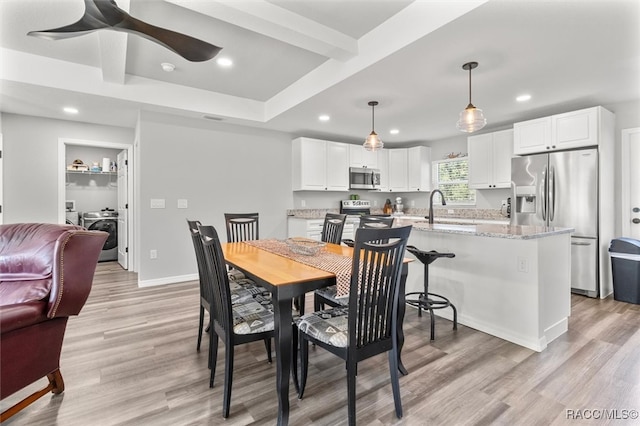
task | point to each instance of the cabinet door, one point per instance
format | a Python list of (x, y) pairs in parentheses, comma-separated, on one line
[(532, 136), (383, 166), (575, 129), (480, 149), (398, 170), (419, 168), (502, 153), (337, 166), (309, 164), (360, 157)]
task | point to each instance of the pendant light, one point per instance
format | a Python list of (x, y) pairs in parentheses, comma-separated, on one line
[(373, 142), (471, 118)]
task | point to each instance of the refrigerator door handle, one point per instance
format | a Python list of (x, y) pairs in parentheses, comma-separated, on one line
[(552, 193), (544, 193)]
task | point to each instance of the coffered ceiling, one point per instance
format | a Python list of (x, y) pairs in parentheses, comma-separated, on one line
[(294, 60)]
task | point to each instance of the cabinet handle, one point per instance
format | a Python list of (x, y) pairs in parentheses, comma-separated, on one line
[(635, 220)]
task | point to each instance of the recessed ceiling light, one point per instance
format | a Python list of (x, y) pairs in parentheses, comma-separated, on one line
[(523, 98), (324, 117), (167, 66), (70, 110), (394, 131), (224, 62)]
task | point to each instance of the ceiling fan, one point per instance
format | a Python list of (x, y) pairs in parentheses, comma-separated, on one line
[(105, 14)]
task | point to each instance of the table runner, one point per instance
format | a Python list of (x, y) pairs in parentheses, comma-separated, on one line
[(330, 262)]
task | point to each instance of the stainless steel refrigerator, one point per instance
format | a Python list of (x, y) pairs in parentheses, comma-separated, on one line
[(561, 189)]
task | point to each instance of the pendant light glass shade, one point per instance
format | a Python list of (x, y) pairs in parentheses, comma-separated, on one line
[(373, 142), (471, 118)]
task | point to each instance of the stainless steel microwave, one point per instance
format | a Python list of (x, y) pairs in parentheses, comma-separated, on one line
[(364, 178)]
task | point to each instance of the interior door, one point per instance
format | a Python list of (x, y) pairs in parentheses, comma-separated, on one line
[(631, 183), (123, 210), (1, 204)]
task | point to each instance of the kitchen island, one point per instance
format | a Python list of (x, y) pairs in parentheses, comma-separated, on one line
[(513, 282)]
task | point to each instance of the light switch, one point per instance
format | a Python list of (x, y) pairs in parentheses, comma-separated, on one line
[(182, 203), (157, 203)]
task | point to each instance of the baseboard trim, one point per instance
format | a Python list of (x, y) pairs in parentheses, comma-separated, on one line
[(167, 280)]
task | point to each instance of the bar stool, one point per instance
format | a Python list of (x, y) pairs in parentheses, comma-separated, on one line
[(425, 300)]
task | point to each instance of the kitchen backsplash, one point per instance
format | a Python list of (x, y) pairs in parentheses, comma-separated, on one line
[(460, 213)]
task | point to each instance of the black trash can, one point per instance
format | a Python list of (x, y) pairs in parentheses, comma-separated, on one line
[(625, 267)]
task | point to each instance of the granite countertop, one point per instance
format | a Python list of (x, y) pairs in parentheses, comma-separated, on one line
[(519, 232)]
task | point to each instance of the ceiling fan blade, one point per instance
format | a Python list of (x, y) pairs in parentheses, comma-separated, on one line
[(105, 14), (90, 21), (190, 48)]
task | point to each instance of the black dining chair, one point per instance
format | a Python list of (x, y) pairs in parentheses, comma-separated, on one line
[(242, 226), (333, 227), (368, 325), (327, 295), (248, 319), (205, 295)]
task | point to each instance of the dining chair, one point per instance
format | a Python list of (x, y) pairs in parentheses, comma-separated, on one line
[(205, 295), (327, 295), (242, 226), (248, 319), (333, 227), (368, 325)]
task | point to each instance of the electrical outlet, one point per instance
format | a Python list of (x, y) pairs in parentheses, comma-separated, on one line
[(153, 254), (375, 203), (183, 204), (413, 203), (303, 203), (157, 203), (523, 264)]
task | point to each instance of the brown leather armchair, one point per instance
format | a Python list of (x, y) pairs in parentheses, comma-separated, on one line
[(46, 272)]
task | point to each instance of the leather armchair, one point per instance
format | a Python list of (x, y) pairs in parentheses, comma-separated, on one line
[(46, 272)]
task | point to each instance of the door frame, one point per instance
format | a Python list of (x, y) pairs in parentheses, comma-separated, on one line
[(625, 180), (62, 168)]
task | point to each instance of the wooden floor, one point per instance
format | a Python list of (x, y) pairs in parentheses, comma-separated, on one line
[(130, 359)]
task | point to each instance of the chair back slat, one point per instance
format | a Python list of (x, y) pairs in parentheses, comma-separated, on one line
[(376, 222), (217, 279), (377, 263), (333, 227), (242, 227)]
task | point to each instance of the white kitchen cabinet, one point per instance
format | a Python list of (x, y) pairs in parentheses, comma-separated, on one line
[(320, 165), (575, 129), (532, 136), (383, 166), (398, 170), (490, 160), (419, 169), (360, 157), (312, 228)]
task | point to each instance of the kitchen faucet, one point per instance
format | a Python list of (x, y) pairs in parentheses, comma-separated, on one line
[(444, 203)]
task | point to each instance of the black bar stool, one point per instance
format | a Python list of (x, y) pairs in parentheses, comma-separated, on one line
[(425, 300)]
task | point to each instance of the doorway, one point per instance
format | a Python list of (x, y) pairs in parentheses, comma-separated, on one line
[(630, 154), (99, 189)]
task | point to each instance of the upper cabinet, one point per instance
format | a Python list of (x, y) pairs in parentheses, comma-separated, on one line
[(360, 157), (490, 160), (383, 166), (576, 129), (398, 181), (419, 168), (320, 165)]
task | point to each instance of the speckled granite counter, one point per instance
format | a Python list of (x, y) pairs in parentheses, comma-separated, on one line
[(485, 230)]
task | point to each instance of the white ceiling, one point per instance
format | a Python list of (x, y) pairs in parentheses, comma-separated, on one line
[(297, 59)]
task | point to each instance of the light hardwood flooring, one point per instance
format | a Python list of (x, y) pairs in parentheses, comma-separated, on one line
[(129, 358)]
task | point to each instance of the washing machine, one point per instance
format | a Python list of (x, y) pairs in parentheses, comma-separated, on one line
[(105, 220)]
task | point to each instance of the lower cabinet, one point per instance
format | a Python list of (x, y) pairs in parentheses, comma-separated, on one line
[(312, 228)]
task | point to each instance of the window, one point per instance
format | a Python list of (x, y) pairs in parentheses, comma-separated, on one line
[(451, 176)]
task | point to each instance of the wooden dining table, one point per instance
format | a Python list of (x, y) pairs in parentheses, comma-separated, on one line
[(288, 279)]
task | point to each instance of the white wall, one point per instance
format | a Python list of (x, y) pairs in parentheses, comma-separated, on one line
[(217, 168), (31, 162)]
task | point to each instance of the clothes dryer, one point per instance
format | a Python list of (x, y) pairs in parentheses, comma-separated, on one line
[(105, 220)]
